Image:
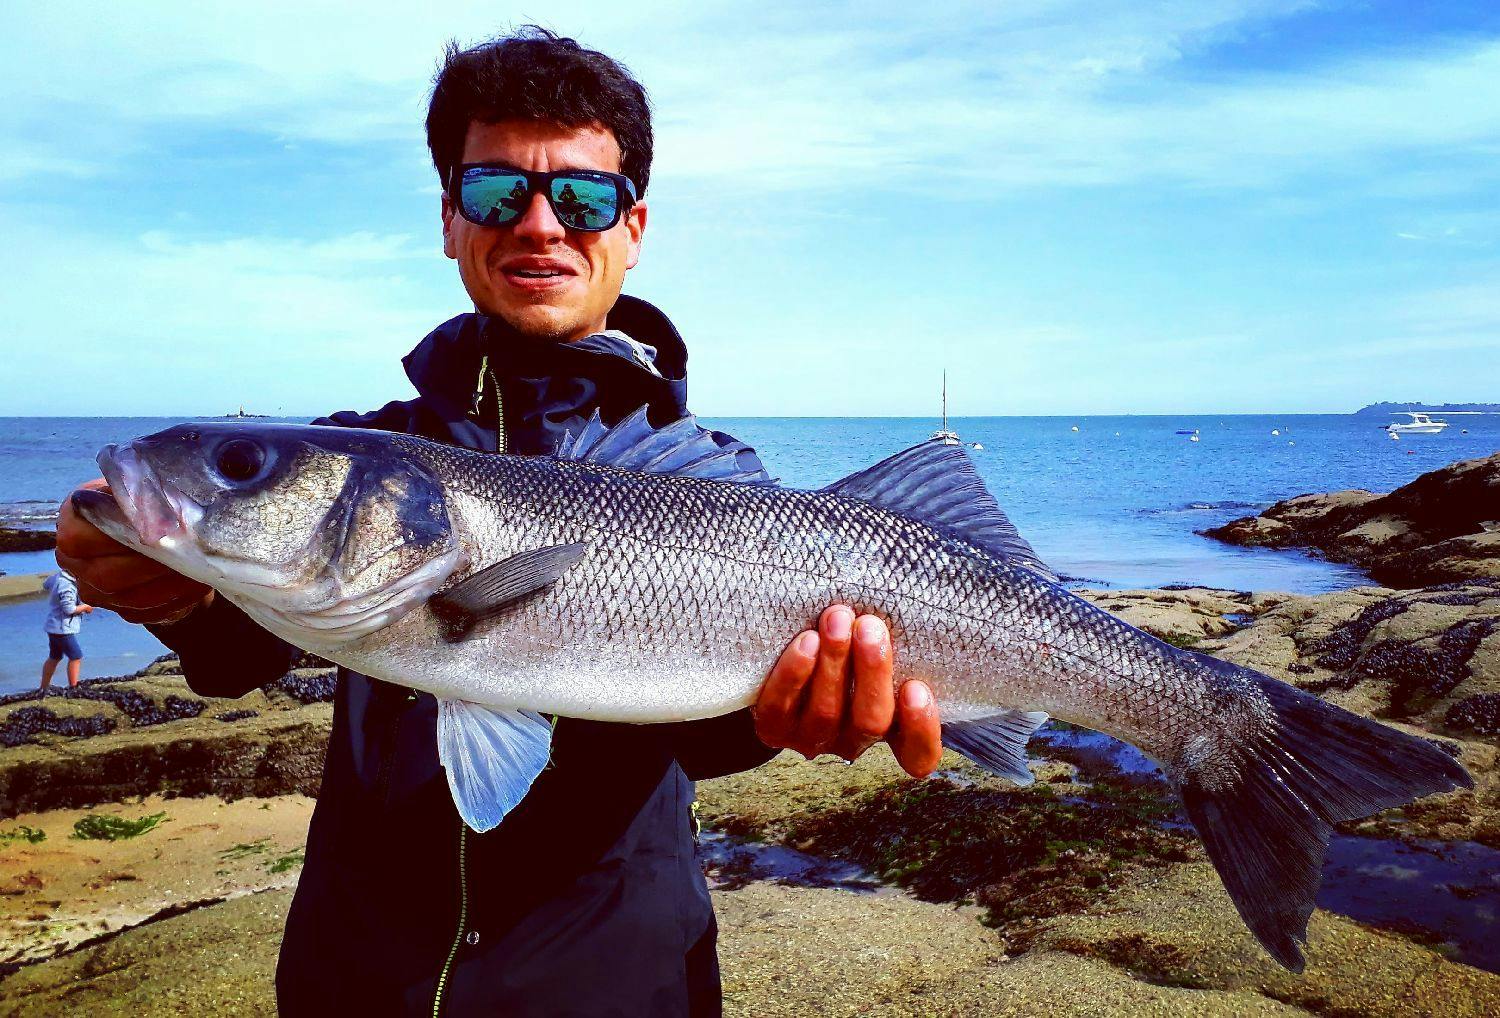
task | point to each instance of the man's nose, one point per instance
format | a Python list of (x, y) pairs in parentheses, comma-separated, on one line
[(539, 224)]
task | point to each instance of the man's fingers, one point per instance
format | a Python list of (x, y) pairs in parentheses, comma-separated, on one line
[(872, 703), (169, 590), (173, 611), (826, 692), (776, 708), (114, 573), (918, 739), (78, 537)]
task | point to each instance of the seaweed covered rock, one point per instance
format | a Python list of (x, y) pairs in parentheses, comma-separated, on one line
[(1478, 714), (116, 738), (17, 539), (1442, 527)]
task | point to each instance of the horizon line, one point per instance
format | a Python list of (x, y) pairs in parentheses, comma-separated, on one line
[(810, 417)]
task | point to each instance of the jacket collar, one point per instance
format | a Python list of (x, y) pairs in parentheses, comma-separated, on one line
[(443, 366)]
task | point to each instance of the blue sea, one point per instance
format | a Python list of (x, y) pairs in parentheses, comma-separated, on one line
[(1107, 501)]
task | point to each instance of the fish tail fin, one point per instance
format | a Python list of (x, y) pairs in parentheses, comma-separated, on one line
[(1265, 806)]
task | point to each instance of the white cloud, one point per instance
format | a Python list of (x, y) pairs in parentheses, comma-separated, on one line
[(193, 326), (1023, 94)]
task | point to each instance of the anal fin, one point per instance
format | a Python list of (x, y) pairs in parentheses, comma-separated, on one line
[(491, 756), (997, 743)]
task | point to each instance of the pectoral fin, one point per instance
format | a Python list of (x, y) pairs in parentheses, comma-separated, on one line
[(488, 592), (491, 756)]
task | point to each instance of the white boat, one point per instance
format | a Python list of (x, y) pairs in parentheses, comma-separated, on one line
[(1420, 424), (943, 434)]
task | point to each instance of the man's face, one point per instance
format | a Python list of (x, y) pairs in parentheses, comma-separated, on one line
[(590, 267)]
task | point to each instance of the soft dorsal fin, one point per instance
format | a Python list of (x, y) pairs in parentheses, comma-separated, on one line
[(680, 448), (937, 484)]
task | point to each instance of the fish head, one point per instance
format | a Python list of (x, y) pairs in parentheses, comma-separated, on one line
[(324, 535)]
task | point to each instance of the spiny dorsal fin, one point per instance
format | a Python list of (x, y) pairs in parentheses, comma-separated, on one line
[(680, 448), (937, 484)]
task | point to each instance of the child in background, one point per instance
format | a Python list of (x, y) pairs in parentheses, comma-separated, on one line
[(64, 620)]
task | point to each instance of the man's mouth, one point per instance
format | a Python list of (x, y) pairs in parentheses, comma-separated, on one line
[(536, 274)]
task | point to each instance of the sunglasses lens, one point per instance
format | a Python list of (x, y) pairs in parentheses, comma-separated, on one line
[(492, 197), (583, 203)]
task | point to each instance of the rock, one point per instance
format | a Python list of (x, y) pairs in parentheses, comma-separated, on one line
[(1478, 714), (15, 539), (1440, 528), (115, 739)]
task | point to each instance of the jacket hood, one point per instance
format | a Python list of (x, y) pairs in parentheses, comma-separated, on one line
[(558, 377)]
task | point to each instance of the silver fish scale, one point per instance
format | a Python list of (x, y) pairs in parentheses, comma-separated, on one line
[(706, 582)]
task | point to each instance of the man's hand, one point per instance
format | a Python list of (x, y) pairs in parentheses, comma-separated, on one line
[(831, 692), (113, 576)]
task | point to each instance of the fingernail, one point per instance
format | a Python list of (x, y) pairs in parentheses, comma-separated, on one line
[(807, 644), (916, 696), (840, 624), (868, 629)]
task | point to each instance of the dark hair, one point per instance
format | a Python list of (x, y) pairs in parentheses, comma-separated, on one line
[(537, 75)]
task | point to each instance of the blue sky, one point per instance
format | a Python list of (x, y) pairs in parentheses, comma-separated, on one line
[(1076, 207)]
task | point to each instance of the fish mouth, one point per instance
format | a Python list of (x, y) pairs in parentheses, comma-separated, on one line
[(137, 505)]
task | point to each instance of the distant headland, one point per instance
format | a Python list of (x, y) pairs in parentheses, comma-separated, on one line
[(1386, 409)]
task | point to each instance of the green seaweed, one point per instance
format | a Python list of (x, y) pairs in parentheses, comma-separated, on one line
[(246, 848), (97, 827), (287, 862), (30, 835), (1024, 855)]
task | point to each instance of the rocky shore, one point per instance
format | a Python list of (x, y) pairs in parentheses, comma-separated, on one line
[(1441, 528), (1079, 894), (17, 539)]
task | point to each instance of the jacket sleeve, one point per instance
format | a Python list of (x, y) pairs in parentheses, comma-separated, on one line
[(67, 598), (714, 747), (223, 653), (728, 744)]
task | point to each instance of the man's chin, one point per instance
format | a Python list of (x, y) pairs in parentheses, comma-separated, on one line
[(545, 322)]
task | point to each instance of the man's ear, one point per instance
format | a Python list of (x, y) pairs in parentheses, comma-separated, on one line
[(635, 230), (450, 246)]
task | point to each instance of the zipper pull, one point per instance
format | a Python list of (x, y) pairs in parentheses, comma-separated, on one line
[(484, 369)]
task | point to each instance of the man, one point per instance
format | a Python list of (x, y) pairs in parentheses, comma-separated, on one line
[(587, 899), (64, 620)]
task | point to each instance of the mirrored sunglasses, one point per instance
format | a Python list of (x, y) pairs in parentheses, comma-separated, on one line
[(591, 200)]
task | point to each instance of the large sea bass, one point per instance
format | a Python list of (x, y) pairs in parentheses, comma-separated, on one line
[(643, 576)]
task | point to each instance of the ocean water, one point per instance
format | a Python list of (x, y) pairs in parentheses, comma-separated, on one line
[(1114, 503)]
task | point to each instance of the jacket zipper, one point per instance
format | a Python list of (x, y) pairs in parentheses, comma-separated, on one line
[(463, 918), (486, 376), (500, 441)]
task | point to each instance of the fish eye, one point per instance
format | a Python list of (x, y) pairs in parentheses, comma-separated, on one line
[(240, 459)]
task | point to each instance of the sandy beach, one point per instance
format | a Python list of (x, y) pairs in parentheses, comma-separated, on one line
[(21, 588)]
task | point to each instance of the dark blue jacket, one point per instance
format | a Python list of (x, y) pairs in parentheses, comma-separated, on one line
[(587, 899)]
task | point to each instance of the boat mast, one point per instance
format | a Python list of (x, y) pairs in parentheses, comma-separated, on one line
[(945, 399)]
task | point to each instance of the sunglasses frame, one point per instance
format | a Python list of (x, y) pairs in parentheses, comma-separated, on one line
[(625, 196)]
